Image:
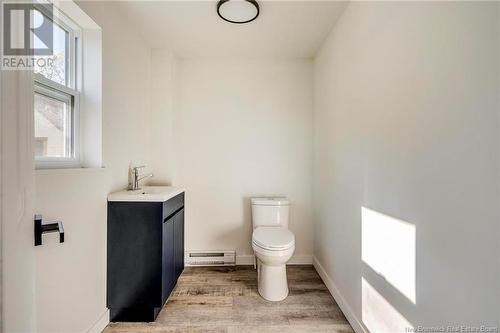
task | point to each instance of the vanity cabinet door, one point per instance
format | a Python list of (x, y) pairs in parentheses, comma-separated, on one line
[(134, 255), (145, 256), (179, 243), (168, 277)]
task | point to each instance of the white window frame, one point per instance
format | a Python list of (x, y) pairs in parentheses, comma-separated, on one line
[(66, 93)]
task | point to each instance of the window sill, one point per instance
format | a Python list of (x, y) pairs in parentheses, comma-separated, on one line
[(68, 170), (42, 164), (63, 164)]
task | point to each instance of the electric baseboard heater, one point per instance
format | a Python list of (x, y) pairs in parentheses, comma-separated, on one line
[(210, 258)]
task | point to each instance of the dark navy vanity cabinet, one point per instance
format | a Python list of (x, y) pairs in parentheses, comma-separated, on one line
[(145, 256)]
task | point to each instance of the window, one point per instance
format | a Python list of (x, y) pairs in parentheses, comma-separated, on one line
[(54, 124), (56, 99)]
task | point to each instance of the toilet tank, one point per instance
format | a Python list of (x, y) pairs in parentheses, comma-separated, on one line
[(270, 212)]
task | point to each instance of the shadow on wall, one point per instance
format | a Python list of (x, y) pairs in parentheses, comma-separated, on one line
[(244, 227), (241, 232), (388, 253), (247, 214)]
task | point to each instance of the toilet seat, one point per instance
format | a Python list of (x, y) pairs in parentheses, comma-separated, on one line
[(273, 238)]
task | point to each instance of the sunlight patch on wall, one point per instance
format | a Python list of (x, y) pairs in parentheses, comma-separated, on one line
[(378, 315), (388, 247)]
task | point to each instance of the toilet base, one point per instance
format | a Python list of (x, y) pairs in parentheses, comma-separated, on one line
[(272, 282)]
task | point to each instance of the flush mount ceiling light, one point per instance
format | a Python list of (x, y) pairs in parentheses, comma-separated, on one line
[(238, 11)]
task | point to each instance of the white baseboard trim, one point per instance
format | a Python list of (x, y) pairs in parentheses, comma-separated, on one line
[(100, 323), (344, 306), (300, 259)]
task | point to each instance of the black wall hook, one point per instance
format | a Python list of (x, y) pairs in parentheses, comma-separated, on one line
[(41, 229)]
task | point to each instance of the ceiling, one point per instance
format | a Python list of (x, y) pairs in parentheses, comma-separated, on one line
[(192, 28)]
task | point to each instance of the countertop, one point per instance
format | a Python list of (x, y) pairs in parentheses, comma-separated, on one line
[(147, 194)]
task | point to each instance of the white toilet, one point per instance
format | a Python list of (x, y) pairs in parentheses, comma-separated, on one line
[(273, 245)]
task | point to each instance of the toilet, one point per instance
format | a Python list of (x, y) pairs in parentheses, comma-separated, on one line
[(273, 245)]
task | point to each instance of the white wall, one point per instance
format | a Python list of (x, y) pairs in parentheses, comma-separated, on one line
[(163, 94), (70, 277), (242, 128), (406, 124)]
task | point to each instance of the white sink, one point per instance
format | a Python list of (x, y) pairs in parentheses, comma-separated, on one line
[(147, 194)]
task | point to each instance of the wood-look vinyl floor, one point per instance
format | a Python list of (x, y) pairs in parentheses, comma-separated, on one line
[(225, 299)]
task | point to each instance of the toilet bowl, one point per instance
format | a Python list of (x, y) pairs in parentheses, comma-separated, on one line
[(271, 262), (273, 245)]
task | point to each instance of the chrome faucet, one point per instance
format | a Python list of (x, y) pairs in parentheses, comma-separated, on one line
[(134, 177)]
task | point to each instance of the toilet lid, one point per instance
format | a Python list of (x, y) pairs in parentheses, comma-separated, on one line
[(273, 238)]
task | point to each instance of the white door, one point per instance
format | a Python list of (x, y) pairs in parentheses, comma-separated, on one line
[(17, 195)]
